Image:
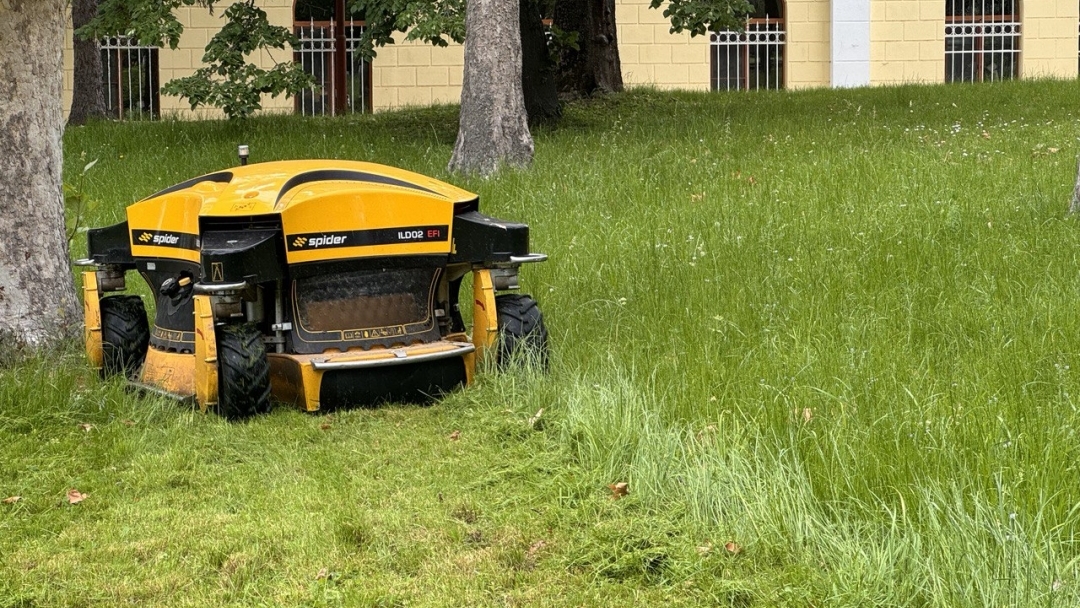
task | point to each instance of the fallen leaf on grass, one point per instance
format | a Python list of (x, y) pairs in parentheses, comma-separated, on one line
[(129, 423), (732, 547), (455, 435), (536, 418), (86, 427), (10, 500), (75, 497), (322, 574), (326, 426), (618, 490), (704, 549)]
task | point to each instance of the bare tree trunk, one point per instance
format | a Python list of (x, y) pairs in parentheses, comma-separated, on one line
[(1074, 205), (493, 129), (87, 94), (37, 294), (595, 67), (537, 68)]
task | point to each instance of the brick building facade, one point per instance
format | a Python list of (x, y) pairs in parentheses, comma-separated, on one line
[(810, 43)]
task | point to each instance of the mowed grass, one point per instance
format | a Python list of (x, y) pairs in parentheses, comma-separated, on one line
[(828, 338)]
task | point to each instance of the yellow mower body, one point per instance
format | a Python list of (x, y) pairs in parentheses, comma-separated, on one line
[(328, 283)]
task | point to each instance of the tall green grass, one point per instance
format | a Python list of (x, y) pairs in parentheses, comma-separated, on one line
[(865, 303), (834, 328)]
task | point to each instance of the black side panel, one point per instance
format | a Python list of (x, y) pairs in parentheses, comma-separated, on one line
[(467, 206), (234, 256), (457, 324), (174, 318), (110, 245), (410, 383), (480, 238)]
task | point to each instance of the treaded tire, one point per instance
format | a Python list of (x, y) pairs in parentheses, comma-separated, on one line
[(125, 335), (522, 335), (243, 372)]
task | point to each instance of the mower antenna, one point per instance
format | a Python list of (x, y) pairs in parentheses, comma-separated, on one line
[(242, 152)]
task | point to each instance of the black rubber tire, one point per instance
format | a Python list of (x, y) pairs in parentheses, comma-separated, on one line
[(243, 372), (522, 335), (125, 335)]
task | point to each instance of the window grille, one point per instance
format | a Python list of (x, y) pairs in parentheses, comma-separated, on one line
[(130, 78), (752, 59), (316, 55), (982, 40)]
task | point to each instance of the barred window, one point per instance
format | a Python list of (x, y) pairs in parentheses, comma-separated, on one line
[(982, 40), (753, 58), (129, 75), (313, 24)]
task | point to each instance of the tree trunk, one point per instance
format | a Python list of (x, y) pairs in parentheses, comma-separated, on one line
[(87, 94), (537, 68), (37, 294), (493, 129), (595, 66), (1074, 205)]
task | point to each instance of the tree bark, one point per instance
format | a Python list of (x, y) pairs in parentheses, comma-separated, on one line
[(87, 94), (595, 66), (37, 294), (537, 68), (493, 129)]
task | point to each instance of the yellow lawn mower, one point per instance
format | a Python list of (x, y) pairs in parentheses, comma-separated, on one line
[(323, 283)]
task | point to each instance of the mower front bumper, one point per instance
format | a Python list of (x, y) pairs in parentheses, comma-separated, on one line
[(416, 373)]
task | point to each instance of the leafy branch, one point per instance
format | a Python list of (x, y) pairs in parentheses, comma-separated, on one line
[(228, 80)]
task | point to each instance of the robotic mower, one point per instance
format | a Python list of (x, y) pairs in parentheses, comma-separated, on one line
[(324, 283)]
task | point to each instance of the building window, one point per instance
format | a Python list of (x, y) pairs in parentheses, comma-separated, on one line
[(314, 25), (982, 40), (129, 74), (754, 58)]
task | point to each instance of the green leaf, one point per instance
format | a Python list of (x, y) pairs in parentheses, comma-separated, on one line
[(702, 16)]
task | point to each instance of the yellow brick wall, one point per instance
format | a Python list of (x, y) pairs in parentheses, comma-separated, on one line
[(653, 56), (907, 41), (416, 73), (1049, 38), (808, 46)]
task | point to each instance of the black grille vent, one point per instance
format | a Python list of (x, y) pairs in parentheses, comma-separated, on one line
[(240, 222)]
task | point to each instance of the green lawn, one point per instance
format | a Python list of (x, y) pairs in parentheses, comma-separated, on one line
[(827, 338)]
